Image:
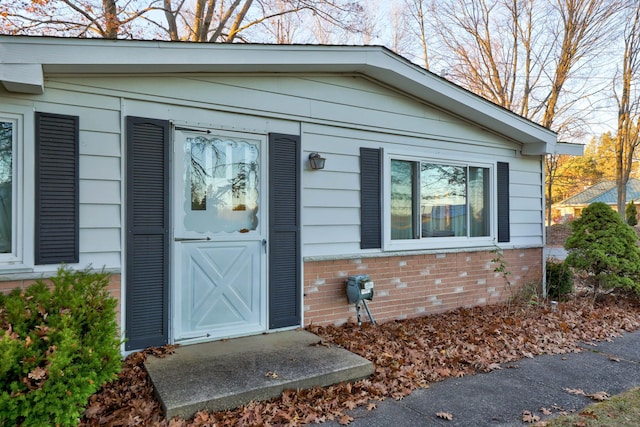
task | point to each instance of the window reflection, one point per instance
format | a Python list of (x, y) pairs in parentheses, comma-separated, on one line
[(6, 186), (446, 200), (402, 199), (443, 200), (223, 180)]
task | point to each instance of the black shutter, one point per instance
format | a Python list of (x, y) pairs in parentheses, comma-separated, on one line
[(503, 202), (370, 198), (285, 284), (57, 189), (147, 250)]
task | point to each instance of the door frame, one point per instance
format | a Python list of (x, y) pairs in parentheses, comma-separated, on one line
[(148, 269), (176, 267)]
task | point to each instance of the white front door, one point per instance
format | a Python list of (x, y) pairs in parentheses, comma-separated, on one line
[(219, 279)]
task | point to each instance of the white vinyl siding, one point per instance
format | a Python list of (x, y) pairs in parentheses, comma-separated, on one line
[(335, 116), (100, 162)]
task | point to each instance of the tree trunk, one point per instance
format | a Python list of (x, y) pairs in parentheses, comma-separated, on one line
[(112, 23)]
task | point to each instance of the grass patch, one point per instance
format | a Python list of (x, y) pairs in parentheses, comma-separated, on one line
[(622, 410)]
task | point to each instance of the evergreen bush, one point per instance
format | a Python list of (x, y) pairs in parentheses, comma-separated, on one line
[(559, 280), (631, 213), (605, 248), (57, 347)]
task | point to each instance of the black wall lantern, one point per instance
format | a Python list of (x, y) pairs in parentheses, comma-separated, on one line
[(316, 161)]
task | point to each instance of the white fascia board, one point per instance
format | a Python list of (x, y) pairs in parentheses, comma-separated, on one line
[(88, 56), (569, 149), (22, 78), (444, 94)]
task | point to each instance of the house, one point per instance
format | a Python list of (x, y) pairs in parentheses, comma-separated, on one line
[(603, 191), (184, 170)]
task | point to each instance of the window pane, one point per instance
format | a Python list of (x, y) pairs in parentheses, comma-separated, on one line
[(223, 183), (402, 199), (443, 201), (479, 201), (6, 185)]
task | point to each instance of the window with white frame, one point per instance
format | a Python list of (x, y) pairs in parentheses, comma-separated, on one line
[(8, 196), (437, 199)]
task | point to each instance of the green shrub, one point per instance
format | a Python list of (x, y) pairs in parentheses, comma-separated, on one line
[(57, 347), (559, 280), (631, 213), (604, 247)]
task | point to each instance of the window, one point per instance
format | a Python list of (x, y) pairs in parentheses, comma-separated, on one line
[(439, 200), (7, 190)]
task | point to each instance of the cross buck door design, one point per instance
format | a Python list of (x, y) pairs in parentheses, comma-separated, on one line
[(219, 280)]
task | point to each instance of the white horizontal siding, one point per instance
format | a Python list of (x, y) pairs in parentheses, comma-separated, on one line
[(100, 168), (322, 216), (334, 192), (93, 119), (100, 143), (99, 192), (340, 101), (330, 198), (336, 115), (101, 259), (348, 180), (100, 216), (198, 117), (526, 202), (525, 216), (100, 239), (330, 235), (526, 230)]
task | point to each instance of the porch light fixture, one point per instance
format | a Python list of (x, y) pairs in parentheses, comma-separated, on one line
[(316, 161)]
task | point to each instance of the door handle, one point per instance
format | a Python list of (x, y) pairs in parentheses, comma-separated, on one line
[(191, 239), (264, 245)]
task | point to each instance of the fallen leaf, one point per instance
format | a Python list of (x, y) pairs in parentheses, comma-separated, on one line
[(419, 347), (576, 391), (545, 411), (588, 414), (614, 359), (529, 417), (445, 415), (271, 374), (344, 420), (371, 406), (38, 373), (600, 395)]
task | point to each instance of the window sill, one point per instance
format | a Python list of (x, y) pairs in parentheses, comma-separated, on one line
[(17, 272), (438, 244)]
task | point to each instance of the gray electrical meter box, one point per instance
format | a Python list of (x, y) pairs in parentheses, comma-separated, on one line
[(360, 289)]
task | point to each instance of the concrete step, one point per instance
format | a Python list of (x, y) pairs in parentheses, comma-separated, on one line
[(226, 374)]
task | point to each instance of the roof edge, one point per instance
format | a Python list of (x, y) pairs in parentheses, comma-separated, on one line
[(102, 56)]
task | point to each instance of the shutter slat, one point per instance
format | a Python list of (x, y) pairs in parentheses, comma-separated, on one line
[(284, 231), (147, 250), (57, 189)]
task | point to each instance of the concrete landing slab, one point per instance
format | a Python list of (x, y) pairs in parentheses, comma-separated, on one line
[(226, 374)]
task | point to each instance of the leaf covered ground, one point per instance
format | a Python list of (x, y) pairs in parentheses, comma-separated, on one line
[(407, 355)]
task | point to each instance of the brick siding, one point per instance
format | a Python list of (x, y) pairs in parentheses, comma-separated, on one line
[(415, 285)]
